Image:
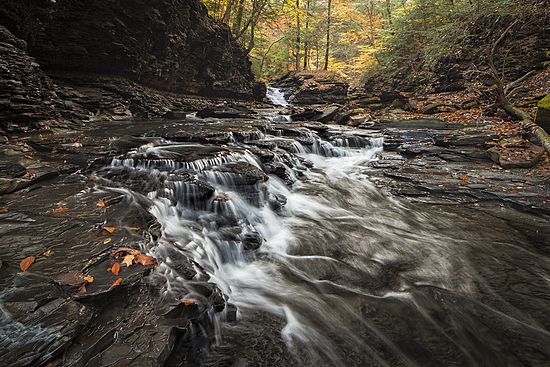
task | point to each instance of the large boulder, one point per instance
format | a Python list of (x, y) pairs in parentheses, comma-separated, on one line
[(168, 45), (543, 113), (313, 87)]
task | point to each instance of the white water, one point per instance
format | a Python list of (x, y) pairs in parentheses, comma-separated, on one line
[(255, 282), (338, 246), (276, 96)]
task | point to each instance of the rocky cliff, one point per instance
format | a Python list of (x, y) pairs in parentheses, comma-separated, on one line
[(130, 57)]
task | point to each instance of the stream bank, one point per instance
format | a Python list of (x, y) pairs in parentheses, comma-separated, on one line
[(389, 243)]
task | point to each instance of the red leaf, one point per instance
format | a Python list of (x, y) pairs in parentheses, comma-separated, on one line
[(115, 269), (26, 263)]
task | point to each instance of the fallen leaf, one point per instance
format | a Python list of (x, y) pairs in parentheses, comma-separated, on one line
[(77, 145), (28, 157), (128, 260), (26, 263), (88, 278), (188, 302), (107, 241), (81, 289), (110, 229), (117, 282), (133, 228), (101, 203), (48, 252), (1, 263), (126, 250), (144, 259), (61, 210), (4, 210), (115, 269)]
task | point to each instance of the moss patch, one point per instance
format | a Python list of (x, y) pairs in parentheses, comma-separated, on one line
[(544, 103)]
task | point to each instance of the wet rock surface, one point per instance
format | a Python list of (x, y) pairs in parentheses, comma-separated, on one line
[(249, 238), (50, 77), (309, 88)]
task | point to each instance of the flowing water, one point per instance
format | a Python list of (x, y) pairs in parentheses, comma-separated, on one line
[(276, 96), (323, 268)]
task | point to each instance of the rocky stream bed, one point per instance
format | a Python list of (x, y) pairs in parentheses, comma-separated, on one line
[(275, 243)]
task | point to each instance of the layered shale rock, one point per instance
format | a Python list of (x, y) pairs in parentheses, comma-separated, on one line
[(26, 93), (170, 45), (69, 61), (309, 87)]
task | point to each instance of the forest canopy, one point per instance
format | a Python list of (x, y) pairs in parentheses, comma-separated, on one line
[(358, 37)]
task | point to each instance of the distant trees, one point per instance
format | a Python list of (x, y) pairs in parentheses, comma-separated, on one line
[(352, 36)]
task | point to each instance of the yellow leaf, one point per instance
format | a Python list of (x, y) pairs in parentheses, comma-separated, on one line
[(48, 252), (26, 263), (128, 260), (88, 278), (107, 241), (110, 229)]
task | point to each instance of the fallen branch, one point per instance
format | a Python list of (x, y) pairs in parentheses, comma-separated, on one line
[(503, 94)]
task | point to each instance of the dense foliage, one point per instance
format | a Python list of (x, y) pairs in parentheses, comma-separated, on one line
[(357, 37)]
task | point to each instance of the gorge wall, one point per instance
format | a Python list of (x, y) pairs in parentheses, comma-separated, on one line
[(137, 47)]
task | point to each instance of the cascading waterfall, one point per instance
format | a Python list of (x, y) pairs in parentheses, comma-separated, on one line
[(217, 217), (276, 96), (301, 245)]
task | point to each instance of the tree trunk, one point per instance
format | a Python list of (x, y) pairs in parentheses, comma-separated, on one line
[(503, 100), (238, 18), (298, 35), (327, 49), (306, 38), (388, 10)]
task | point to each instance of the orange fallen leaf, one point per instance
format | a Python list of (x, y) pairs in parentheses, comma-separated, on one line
[(117, 282), (88, 278), (4, 210), (101, 203), (128, 260), (115, 269), (144, 259), (61, 210), (188, 302), (1, 263), (133, 228), (81, 289), (110, 229), (26, 263), (107, 241)]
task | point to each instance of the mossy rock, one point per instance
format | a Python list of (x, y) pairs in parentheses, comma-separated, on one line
[(543, 113)]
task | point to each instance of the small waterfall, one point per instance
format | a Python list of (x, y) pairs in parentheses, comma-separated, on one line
[(276, 96)]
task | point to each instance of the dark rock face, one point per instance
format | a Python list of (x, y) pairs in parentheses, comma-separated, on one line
[(26, 93), (169, 45)]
